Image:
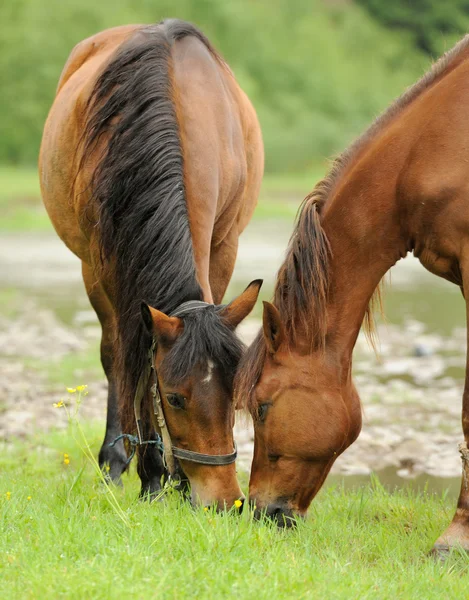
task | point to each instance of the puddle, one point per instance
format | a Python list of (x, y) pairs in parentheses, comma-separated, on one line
[(391, 480)]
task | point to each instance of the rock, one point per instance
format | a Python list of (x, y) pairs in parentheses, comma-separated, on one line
[(422, 350)]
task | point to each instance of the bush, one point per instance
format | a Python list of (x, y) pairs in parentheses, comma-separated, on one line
[(434, 25), (317, 74)]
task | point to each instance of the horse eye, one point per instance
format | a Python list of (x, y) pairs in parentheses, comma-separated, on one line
[(262, 411), (176, 401)]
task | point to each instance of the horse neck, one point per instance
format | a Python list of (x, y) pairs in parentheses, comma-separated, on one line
[(362, 222)]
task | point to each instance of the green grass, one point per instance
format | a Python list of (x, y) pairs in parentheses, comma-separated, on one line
[(68, 541), (22, 209)]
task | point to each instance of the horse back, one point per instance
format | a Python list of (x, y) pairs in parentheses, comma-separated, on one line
[(220, 140), (221, 143), (59, 154)]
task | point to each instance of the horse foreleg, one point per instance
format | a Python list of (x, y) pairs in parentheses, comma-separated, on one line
[(457, 534), (150, 467), (112, 459), (222, 262)]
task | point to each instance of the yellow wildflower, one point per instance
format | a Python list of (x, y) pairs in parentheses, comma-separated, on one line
[(238, 503), (58, 404), (66, 459), (29, 497), (108, 468), (71, 390), (206, 508), (81, 388), (8, 495)]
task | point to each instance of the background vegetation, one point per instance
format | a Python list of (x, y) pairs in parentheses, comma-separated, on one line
[(434, 25), (317, 70)]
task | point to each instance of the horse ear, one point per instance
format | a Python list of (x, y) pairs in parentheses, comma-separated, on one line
[(239, 308), (165, 329), (274, 332)]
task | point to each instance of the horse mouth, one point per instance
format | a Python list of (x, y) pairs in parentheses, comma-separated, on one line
[(278, 513)]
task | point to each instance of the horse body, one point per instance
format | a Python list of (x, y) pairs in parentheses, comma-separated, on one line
[(150, 168), (403, 186), (220, 139)]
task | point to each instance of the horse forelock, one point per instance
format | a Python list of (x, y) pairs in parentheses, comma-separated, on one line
[(206, 340)]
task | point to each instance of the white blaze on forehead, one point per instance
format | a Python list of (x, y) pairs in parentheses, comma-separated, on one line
[(210, 367)]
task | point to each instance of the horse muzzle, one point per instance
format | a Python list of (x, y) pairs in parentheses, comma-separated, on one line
[(278, 512)]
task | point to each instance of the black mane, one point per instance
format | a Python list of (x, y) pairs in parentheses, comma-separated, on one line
[(138, 190)]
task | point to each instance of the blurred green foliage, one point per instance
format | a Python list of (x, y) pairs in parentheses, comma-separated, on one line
[(435, 25), (317, 71)]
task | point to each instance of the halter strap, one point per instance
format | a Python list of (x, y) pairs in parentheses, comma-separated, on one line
[(206, 459), (170, 452)]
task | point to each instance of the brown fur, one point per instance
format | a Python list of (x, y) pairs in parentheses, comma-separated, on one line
[(401, 187)]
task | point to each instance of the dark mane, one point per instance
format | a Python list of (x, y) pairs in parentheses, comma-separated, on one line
[(138, 188), (303, 280)]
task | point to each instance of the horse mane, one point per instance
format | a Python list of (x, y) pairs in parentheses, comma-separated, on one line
[(138, 190), (302, 286), (205, 336)]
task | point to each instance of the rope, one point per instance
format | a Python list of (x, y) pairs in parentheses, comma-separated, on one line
[(134, 442)]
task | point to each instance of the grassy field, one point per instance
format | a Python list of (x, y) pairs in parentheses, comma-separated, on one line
[(22, 210), (64, 534)]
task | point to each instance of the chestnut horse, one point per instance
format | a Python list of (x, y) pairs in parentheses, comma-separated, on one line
[(150, 167), (402, 186)]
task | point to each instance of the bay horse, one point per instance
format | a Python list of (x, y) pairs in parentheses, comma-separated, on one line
[(402, 187), (150, 168)]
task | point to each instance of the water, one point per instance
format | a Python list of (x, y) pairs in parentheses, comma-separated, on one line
[(391, 481)]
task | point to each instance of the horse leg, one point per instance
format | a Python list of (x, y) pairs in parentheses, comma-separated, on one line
[(150, 467), (222, 262), (457, 534), (112, 459)]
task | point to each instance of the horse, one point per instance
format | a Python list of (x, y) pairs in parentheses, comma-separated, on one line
[(401, 187), (150, 168)]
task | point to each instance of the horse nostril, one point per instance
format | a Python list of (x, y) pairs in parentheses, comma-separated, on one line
[(273, 510)]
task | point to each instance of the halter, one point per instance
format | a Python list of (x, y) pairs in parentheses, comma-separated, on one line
[(170, 452)]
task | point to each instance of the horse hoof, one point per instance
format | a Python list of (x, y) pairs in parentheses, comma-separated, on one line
[(440, 552), (151, 496)]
